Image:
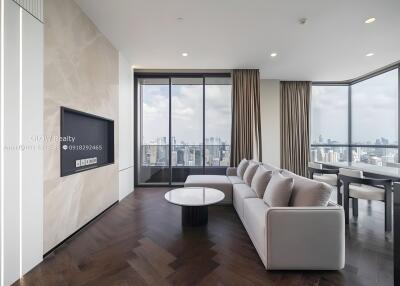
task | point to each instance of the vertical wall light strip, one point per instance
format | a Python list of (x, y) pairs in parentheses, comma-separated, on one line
[(2, 139), (20, 141)]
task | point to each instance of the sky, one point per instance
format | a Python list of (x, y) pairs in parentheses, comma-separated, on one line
[(374, 110), (187, 112)]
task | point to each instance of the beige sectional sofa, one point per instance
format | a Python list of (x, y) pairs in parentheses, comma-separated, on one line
[(301, 236)]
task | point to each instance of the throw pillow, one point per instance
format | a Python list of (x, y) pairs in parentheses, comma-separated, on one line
[(241, 168), (279, 190), (308, 193), (249, 173), (260, 181)]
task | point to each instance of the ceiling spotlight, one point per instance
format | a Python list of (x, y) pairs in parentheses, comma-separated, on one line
[(273, 55), (369, 54), (185, 54), (303, 21), (370, 20)]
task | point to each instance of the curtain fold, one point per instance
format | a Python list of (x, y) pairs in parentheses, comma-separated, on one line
[(246, 120), (295, 129)]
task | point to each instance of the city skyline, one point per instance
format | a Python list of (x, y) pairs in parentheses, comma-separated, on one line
[(373, 110)]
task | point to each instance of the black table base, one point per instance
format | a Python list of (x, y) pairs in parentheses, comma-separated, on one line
[(194, 216)]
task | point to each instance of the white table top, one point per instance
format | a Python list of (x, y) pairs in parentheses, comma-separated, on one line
[(194, 196)]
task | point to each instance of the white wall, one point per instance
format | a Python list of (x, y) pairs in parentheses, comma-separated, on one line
[(270, 121), (22, 191), (11, 217), (32, 126), (126, 183)]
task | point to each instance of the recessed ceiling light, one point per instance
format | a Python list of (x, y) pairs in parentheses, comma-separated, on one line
[(185, 54), (369, 54), (273, 55), (370, 20)]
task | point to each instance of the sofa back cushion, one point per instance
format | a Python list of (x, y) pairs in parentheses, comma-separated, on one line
[(308, 193), (279, 190), (270, 167), (241, 168), (249, 173), (260, 181)]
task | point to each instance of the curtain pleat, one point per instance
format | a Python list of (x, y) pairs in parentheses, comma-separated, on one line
[(246, 120), (295, 129)]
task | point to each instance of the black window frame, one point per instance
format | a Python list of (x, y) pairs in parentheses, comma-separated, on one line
[(137, 128), (350, 83)]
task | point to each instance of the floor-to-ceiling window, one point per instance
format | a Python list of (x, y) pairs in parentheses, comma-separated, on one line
[(357, 122), (183, 126)]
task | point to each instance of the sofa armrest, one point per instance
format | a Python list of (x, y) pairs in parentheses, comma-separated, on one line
[(305, 238), (231, 171)]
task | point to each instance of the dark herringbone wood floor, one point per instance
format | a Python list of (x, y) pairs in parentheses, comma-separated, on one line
[(140, 242)]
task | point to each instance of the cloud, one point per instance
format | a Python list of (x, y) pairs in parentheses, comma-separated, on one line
[(186, 113)]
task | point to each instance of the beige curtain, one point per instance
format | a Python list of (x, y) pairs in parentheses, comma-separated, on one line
[(246, 122), (295, 118)]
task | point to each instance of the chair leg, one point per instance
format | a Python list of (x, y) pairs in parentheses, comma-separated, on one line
[(355, 207), (388, 208)]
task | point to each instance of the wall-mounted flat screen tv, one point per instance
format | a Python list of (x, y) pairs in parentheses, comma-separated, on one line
[(86, 141)]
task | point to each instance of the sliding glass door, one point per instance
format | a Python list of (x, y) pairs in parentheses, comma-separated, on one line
[(154, 130), (183, 127), (186, 127)]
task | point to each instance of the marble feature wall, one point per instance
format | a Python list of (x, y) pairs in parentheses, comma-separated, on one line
[(80, 72)]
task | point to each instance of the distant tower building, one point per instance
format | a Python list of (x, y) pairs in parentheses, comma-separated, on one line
[(314, 154)]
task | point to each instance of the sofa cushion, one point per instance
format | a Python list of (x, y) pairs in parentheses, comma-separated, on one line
[(241, 168), (260, 181), (235, 180), (249, 173), (308, 193), (240, 193), (279, 190), (219, 182), (270, 167), (254, 210)]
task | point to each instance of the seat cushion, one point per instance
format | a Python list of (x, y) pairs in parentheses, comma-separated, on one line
[(219, 182), (235, 180), (254, 210), (241, 168), (330, 179), (240, 193), (308, 193), (367, 192)]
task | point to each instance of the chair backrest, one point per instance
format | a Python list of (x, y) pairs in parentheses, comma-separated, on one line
[(351, 173), (315, 165)]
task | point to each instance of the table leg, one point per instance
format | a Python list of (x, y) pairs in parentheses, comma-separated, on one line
[(388, 208), (194, 216), (346, 202)]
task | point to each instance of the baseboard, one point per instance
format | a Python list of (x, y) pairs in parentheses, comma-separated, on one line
[(78, 230)]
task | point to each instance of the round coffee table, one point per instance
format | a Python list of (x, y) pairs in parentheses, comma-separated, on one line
[(194, 202)]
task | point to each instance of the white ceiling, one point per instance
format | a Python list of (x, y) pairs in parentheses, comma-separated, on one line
[(226, 34)]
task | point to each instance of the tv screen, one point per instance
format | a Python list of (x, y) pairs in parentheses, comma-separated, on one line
[(86, 141)]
